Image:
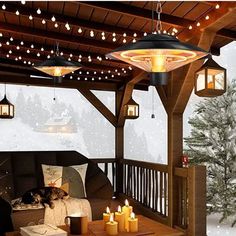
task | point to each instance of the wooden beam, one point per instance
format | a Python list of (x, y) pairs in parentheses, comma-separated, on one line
[(142, 13), (98, 105), (127, 94), (226, 33), (216, 16), (57, 37), (23, 79)]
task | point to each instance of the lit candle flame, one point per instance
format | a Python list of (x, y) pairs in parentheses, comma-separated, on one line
[(119, 209), (111, 218), (126, 202), (108, 210), (132, 216)]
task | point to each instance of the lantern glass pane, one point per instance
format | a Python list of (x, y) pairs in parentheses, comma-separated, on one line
[(132, 110), (5, 110), (200, 80), (210, 82), (11, 111), (220, 81)]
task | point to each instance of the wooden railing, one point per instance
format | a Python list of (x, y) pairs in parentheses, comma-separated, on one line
[(146, 185)]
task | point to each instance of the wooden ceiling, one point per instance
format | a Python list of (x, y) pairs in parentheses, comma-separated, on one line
[(93, 29)]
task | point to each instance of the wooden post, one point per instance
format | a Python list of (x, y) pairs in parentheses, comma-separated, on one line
[(197, 201), (175, 151), (119, 146)]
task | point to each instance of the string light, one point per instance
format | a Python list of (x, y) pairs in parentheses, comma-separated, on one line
[(38, 54), (52, 51), (17, 13), (32, 46), (144, 34), (0, 45), (10, 51), (103, 37), (3, 7), (21, 43), (130, 68), (198, 24), (28, 51), (124, 34), (11, 39), (207, 17), (7, 43), (48, 56), (134, 41), (217, 6), (24, 62), (19, 57), (7, 55), (30, 17), (61, 53), (67, 26), (78, 78), (1, 34), (99, 78), (124, 40), (190, 27), (18, 47), (55, 25), (16, 59), (71, 55), (43, 22), (114, 39), (91, 33), (80, 31), (135, 35), (42, 49), (38, 11), (53, 19), (23, 2)]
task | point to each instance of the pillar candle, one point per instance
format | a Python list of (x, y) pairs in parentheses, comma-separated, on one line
[(127, 209), (106, 217), (120, 219), (112, 226), (133, 223)]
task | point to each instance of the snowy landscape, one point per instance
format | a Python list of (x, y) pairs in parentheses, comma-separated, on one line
[(72, 123)]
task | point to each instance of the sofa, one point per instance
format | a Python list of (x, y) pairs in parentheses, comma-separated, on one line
[(23, 172)]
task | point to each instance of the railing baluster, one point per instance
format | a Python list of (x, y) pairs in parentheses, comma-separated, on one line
[(106, 168), (161, 192)]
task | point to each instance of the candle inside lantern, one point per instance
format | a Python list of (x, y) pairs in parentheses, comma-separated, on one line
[(112, 226), (106, 216), (133, 223), (127, 209), (120, 218)]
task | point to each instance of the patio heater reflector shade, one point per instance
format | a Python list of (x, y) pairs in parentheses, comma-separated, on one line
[(6, 109), (158, 53), (57, 66), (131, 109), (210, 79)]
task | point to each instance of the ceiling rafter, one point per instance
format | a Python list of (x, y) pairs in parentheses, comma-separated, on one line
[(138, 12), (73, 21), (86, 65), (66, 53), (57, 37)]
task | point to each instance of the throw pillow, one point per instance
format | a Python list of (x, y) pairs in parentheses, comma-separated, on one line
[(71, 179)]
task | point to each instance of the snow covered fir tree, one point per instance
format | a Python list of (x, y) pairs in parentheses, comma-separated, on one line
[(212, 142)]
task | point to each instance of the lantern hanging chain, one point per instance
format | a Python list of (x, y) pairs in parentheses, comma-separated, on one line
[(159, 23), (153, 115), (5, 89)]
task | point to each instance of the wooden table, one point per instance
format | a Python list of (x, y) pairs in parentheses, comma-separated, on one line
[(146, 227)]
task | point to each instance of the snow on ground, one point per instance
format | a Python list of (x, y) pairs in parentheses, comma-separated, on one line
[(223, 229)]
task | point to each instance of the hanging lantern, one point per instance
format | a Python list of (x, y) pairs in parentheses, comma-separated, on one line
[(57, 66), (131, 109), (6, 108), (210, 79)]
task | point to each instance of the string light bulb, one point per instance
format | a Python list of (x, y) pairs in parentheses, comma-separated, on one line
[(38, 11), (55, 25), (1, 34), (114, 39), (18, 47), (38, 54), (28, 51), (7, 43), (124, 34), (217, 6), (198, 24), (92, 33), (190, 27), (43, 22), (21, 43), (32, 46), (80, 31), (207, 17), (135, 35), (3, 7), (30, 17), (124, 40), (53, 19), (23, 2), (42, 49), (11, 39), (17, 13), (67, 26)]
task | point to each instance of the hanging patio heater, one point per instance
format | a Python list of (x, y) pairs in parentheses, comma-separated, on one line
[(158, 54), (210, 79), (57, 66)]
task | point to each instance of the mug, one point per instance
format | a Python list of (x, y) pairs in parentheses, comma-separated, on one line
[(78, 224)]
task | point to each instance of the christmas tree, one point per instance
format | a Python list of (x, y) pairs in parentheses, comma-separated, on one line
[(212, 142)]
